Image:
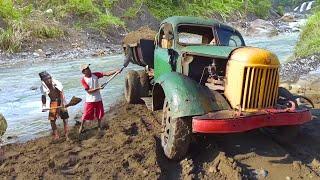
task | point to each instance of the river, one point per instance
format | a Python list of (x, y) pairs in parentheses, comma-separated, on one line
[(21, 105)]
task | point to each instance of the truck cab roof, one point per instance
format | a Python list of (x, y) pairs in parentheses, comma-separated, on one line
[(176, 20)]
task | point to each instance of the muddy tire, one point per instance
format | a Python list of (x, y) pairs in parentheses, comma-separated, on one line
[(144, 83), (176, 135), (132, 87)]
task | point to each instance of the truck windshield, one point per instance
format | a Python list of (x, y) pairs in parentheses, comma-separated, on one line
[(204, 35), (229, 38), (194, 34)]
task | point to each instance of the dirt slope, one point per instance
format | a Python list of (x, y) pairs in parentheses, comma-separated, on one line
[(131, 149)]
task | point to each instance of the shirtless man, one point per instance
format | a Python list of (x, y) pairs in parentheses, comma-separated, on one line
[(54, 89)]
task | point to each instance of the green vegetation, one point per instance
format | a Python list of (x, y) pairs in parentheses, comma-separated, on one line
[(309, 42), (91, 15), (21, 20), (24, 19), (206, 8)]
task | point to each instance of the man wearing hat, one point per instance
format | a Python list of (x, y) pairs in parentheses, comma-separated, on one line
[(54, 89), (93, 106)]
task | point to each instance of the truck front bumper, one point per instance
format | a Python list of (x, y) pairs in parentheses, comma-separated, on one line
[(229, 122)]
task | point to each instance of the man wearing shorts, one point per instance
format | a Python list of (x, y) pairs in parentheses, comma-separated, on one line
[(93, 107), (54, 89)]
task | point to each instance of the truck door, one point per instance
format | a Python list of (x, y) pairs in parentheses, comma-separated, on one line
[(162, 61)]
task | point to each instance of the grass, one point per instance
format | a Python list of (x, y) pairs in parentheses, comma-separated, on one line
[(11, 39), (309, 41)]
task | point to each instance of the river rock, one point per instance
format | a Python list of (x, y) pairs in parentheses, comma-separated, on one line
[(49, 53), (36, 54), (49, 11), (33, 88), (261, 27), (288, 17), (260, 173), (99, 52)]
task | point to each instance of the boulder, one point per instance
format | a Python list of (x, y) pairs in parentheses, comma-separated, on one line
[(261, 27), (3, 125), (288, 17)]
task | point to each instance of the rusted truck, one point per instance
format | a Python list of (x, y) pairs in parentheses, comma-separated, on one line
[(205, 79)]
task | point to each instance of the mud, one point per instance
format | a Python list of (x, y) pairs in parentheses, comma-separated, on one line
[(130, 148), (142, 33)]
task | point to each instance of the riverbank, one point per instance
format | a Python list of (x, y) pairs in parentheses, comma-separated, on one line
[(130, 149)]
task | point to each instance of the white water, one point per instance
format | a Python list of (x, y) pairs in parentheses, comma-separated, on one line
[(21, 105)]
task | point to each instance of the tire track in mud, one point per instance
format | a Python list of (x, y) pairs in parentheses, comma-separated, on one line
[(248, 155), (276, 160), (306, 147)]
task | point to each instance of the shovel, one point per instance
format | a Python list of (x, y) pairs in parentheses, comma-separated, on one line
[(74, 101), (125, 64)]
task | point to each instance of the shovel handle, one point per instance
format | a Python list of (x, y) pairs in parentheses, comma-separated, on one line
[(47, 109), (104, 84)]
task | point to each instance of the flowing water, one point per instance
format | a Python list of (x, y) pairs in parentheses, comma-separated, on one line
[(21, 105)]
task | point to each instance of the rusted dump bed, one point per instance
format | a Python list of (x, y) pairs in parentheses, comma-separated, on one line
[(141, 53)]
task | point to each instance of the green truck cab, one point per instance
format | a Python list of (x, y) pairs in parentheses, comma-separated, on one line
[(204, 78)]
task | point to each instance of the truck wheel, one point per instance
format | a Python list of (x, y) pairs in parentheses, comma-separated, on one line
[(144, 83), (176, 135), (132, 87)]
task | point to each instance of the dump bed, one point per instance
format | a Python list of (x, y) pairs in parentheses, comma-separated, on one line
[(141, 53)]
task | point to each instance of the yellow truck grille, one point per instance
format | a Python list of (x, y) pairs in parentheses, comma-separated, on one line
[(259, 88)]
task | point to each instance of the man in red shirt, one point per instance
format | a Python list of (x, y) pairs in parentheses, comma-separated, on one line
[(93, 107)]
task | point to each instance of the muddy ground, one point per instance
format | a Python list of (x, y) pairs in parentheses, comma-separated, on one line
[(131, 149)]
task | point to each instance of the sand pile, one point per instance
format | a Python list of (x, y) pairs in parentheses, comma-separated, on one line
[(142, 33)]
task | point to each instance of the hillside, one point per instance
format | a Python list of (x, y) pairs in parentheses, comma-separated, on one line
[(309, 41)]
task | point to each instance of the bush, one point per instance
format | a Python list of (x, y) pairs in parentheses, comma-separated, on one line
[(88, 11), (11, 39), (82, 7), (309, 41), (105, 21)]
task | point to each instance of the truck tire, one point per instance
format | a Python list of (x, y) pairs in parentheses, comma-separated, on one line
[(132, 87), (176, 134), (284, 134), (144, 83)]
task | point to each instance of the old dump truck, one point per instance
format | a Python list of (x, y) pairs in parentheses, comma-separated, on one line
[(205, 79)]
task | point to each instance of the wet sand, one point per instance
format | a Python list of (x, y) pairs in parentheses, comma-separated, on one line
[(130, 149)]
